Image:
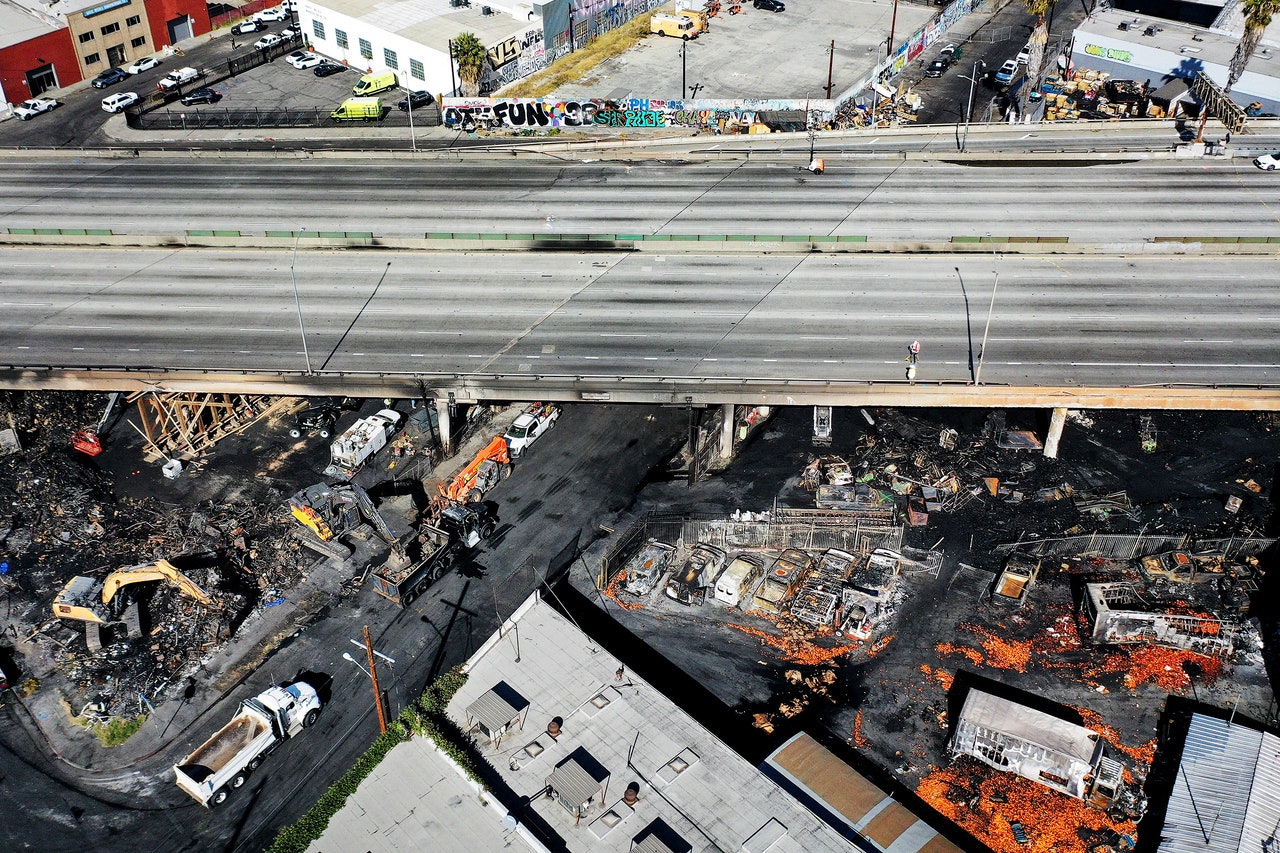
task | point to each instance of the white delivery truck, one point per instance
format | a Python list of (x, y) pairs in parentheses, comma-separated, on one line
[(223, 763), (362, 439)]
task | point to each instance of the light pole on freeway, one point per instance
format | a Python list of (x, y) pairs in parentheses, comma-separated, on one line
[(297, 301)]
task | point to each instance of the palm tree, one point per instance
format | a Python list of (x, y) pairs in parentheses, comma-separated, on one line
[(1257, 16), (1035, 56), (469, 51)]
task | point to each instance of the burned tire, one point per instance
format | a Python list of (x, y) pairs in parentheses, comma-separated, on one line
[(310, 719), (239, 779), (295, 433), (219, 797)]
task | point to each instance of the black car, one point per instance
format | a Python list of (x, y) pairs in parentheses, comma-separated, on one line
[(329, 68), (245, 27), (110, 77), (319, 419), (416, 99), (201, 96), (936, 68), (771, 5)]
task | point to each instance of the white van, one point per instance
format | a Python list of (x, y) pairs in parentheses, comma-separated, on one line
[(737, 580)]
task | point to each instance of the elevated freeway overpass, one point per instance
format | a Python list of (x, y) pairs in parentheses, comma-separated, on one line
[(1142, 284)]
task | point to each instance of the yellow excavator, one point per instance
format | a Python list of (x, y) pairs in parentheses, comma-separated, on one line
[(94, 601)]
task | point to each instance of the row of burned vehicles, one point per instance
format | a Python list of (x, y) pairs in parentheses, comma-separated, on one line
[(835, 588)]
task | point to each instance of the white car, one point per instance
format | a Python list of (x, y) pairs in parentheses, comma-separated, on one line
[(146, 63), (276, 14), (34, 107), (288, 33), (1024, 55), (307, 60), (1268, 162), (266, 41), (117, 102)]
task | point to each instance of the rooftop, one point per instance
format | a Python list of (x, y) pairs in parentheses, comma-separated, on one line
[(618, 732), (431, 22), (1196, 44), (19, 23)]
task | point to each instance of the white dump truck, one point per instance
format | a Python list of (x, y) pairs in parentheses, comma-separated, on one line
[(223, 763), (362, 439)]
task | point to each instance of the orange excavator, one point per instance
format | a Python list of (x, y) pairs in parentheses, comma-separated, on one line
[(490, 466)]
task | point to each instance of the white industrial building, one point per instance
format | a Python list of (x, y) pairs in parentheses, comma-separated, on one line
[(1143, 48), (412, 37)]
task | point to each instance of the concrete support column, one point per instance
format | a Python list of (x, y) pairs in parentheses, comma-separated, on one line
[(1056, 423), (727, 429), (446, 428)]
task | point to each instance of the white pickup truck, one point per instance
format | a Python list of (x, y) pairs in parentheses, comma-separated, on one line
[(529, 426), (178, 77), (223, 763)]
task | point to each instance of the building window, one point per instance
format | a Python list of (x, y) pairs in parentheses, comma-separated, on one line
[(110, 28), (317, 27), (389, 56), (133, 22), (415, 68), (340, 37), (91, 59), (85, 38), (366, 49), (138, 42)]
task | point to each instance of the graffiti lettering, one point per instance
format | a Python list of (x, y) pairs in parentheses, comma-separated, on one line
[(503, 52), (1108, 53), (633, 112)]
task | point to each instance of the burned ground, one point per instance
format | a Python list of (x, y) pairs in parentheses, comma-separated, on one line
[(892, 698)]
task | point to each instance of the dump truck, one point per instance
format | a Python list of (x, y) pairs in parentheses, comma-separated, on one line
[(529, 427), (222, 764), (489, 467), (361, 441), (327, 513), (98, 604), (432, 551)]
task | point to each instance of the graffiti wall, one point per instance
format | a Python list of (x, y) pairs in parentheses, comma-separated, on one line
[(628, 112)]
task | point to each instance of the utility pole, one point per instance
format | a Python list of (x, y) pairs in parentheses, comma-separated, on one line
[(373, 676), (968, 108), (893, 23), (452, 80), (831, 64), (684, 69)]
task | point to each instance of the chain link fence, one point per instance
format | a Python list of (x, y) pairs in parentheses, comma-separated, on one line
[(1131, 547)]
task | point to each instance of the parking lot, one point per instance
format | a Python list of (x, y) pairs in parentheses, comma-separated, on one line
[(760, 54)]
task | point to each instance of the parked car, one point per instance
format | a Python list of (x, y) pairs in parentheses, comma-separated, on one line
[(421, 98), (328, 69), (110, 77), (146, 63), (771, 5), (951, 53), (936, 68), (33, 107), (306, 60), (1268, 162), (245, 27), (267, 41), (117, 102), (1005, 75), (289, 33), (201, 96), (1024, 55), (276, 13)]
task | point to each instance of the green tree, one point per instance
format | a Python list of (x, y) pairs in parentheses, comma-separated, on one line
[(1257, 16), (1039, 9), (471, 56)]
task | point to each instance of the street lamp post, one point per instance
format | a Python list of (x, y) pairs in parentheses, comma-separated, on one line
[(968, 107), (297, 301), (831, 66), (413, 139), (372, 672), (982, 351)]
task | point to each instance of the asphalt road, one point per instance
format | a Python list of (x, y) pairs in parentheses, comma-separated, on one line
[(882, 199), (1071, 320), (582, 474)]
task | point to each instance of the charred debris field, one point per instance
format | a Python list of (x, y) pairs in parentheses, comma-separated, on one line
[(1148, 541)]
